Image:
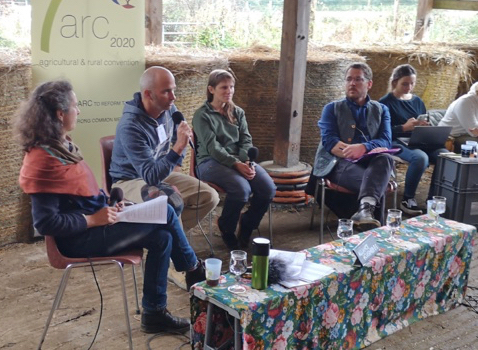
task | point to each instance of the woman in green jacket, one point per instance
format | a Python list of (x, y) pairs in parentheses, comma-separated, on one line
[(223, 155)]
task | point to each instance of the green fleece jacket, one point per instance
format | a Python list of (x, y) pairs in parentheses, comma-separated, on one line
[(218, 139)]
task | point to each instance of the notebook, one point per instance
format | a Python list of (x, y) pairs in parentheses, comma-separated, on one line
[(426, 137)]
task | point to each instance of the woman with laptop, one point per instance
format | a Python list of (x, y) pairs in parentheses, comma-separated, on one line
[(406, 110)]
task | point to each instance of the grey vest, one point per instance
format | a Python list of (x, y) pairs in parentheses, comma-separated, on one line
[(325, 161)]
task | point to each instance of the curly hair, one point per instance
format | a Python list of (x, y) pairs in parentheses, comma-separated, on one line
[(215, 78), (403, 70), (36, 121)]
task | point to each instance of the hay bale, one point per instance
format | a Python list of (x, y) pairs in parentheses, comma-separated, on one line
[(466, 82), (191, 70), (257, 72), (15, 209), (439, 68)]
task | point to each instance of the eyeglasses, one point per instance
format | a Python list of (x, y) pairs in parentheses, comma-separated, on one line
[(357, 80)]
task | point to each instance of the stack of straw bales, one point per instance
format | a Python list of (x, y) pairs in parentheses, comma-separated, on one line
[(440, 69), (15, 209), (257, 72)]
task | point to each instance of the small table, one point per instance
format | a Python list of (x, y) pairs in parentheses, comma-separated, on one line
[(425, 273)]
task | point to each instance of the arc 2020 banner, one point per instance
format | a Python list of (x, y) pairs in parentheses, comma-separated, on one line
[(98, 45)]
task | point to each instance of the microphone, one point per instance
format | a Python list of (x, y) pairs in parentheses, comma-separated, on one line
[(116, 196), (252, 153), (178, 117)]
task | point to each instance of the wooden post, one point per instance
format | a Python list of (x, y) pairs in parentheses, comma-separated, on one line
[(422, 23), (290, 95), (154, 22), (396, 4)]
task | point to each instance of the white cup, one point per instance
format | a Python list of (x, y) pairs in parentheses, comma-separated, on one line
[(466, 151), (213, 271), (474, 146)]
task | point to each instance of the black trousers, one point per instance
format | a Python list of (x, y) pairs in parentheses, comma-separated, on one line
[(368, 178)]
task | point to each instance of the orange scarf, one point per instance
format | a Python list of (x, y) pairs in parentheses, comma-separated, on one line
[(46, 169)]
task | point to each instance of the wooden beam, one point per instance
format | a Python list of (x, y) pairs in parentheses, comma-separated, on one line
[(154, 22), (291, 86), (464, 5), (423, 22)]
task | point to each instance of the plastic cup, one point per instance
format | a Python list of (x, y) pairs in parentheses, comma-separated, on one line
[(474, 146), (213, 271), (466, 151)]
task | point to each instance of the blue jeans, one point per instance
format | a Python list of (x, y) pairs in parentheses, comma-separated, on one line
[(238, 190), (236, 186), (418, 162), (163, 241)]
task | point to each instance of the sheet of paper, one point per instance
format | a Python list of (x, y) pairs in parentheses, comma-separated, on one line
[(293, 283), (150, 212), (312, 271)]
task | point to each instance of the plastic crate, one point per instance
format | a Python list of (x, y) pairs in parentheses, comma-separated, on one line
[(460, 206), (456, 175)]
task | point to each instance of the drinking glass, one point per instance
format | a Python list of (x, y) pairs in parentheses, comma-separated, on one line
[(394, 220), (438, 207), (344, 231), (237, 266)]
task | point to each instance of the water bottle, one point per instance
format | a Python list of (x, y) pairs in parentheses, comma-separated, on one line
[(260, 262)]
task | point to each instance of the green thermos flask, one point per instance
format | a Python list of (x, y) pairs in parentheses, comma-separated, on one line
[(260, 262)]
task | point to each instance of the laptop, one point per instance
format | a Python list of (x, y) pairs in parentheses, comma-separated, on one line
[(426, 137)]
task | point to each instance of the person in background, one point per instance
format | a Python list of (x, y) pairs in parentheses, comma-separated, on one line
[(462, 116), (148, 152), (223, 142), (405, 109), (350, 128), (67, 204)]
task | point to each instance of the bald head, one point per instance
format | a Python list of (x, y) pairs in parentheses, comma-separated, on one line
[(157, 87), (152, 76)]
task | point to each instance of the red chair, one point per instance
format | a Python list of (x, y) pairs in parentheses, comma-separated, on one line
[(59, 261), (192, 172), (106, 147)]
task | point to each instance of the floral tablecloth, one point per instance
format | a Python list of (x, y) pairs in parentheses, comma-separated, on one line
[(424, 273)]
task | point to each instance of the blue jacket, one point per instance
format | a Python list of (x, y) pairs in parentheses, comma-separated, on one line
[(345, 121), (137, 152)]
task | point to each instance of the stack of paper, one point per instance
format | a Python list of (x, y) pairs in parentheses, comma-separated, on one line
[(154, 211), (302, 271)]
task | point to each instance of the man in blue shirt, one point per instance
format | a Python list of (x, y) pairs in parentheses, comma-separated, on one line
[(351, 128)]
